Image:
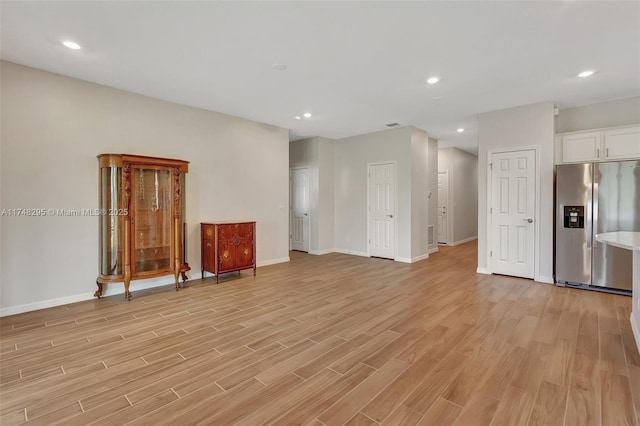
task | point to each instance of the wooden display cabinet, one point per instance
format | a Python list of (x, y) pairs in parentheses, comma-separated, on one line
[(142, 208), (227, 247)]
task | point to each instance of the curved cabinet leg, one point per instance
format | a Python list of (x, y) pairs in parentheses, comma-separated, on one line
[(127, 293), (183, 272), (176, 277), (98, 292)]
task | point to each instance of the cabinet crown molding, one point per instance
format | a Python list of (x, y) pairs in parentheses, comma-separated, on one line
[(117, 160)]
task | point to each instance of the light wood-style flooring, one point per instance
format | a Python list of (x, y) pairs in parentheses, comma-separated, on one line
[(329, 340)]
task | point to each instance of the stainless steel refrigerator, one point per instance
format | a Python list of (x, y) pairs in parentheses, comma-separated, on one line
[(592, 198)]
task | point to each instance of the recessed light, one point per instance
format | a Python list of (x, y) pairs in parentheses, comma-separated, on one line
[(279, 67), (307, 114), (433, 80), (297, 117), (460, 130), (585, 74), (71, 45)]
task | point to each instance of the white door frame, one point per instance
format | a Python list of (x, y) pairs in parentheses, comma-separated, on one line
[(395, 205), (291, 169), (448, 231), (536, 222)]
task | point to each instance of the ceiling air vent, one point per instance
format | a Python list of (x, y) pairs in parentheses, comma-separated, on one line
[(392, 124)]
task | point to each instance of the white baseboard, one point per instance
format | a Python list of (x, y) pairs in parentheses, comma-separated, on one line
[(546, 280), (421, 257), (28, 307), (321, 252), (273, 261), (355, 253), (111, 290), (635, 327), (541, 279), (466, 240), (433, 250), (412, 259), (118, 288), (107, 290)]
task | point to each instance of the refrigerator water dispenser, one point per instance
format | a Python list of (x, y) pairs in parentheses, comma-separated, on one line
[(574, 216)]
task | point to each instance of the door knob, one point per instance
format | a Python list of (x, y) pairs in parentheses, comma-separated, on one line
[(390, 215), (528, 220), (305, 214)]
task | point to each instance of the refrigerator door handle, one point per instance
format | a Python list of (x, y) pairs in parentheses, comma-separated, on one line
[(594, 214), (589, 217)]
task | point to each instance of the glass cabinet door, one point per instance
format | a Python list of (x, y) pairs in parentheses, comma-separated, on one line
[(111, 225), (183, 226), (152, 220)]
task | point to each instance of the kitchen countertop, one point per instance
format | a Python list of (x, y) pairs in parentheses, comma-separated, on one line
[(623, 239)]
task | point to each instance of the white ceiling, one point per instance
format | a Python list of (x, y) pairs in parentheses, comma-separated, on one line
[(354, 65)]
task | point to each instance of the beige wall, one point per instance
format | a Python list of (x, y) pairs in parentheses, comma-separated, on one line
[(419, 193), (316, 154), (605, 114), (462, 168), (432, 183), (413, 152), (524, 126), (326, 197), (52, 129), (351, 158)]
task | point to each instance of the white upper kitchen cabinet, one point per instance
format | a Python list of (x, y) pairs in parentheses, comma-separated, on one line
[(581, 147), (620, 143)]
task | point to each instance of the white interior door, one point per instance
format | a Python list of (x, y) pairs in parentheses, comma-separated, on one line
[(443, 206), (300, 209), (512, 213), (382, 202)]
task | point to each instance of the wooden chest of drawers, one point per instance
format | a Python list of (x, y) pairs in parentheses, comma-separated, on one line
[(228, 246)]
